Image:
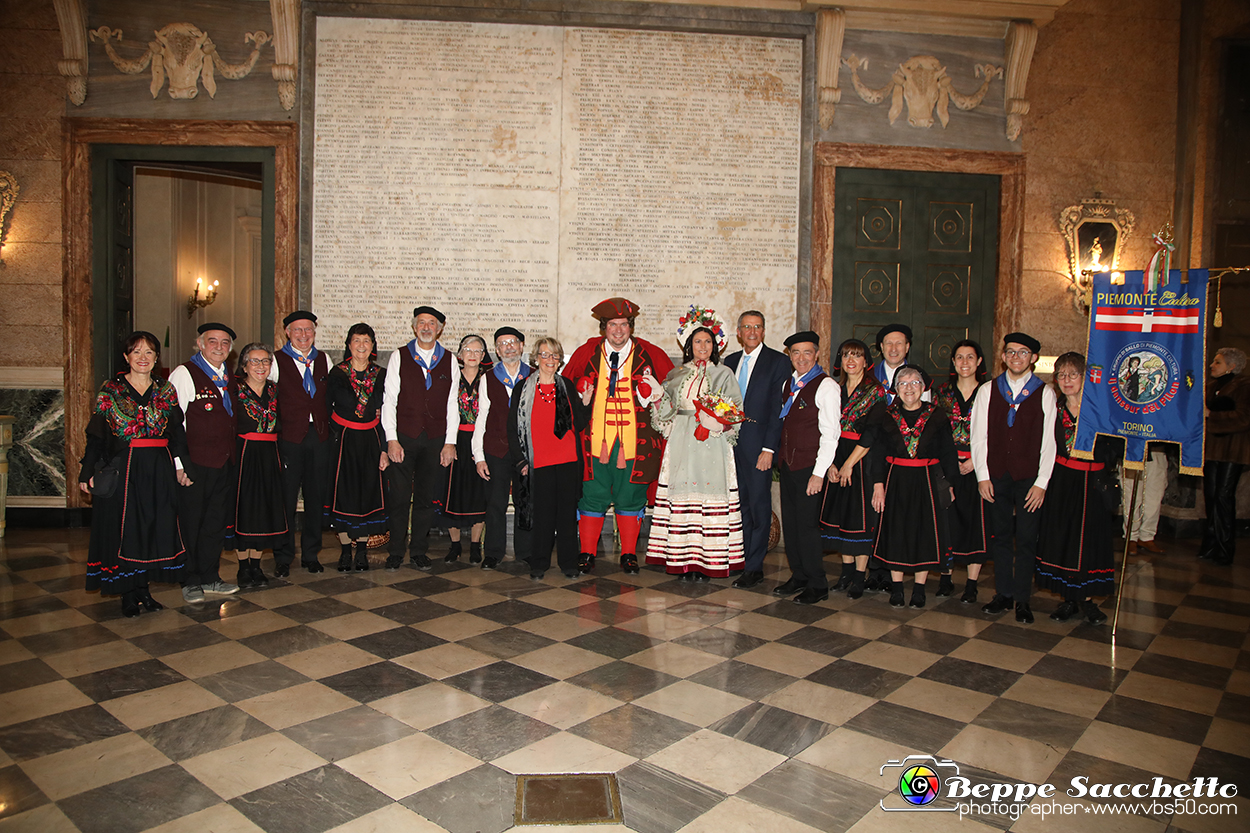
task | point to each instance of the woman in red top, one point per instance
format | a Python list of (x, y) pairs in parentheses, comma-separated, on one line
[(544, 422)]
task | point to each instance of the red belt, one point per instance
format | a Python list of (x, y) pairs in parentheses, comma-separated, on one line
[(149, 443), (269, 438), (1079, 465), (468, 428), (850, 435), (355, 426), (964, 455), (919, 462)]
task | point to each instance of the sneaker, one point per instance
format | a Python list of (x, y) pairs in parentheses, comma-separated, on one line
[(220, 588), (193, 593)]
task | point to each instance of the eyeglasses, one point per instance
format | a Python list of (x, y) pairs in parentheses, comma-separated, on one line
[(914, 383), (260, 361), (751, 327), (475, 351), (548, 356), (1018, 354), (507, 342), (1068, 375), (303, 330)]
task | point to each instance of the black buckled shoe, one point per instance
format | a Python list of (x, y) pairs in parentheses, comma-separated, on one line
[(453, 553), (1065, 611), (282, 570), (917, 596), (143, 595), (586, 563), (790, 587), (394, 562), (811, 596), (844, 580), (748, 579), (896, 597), (313, 566), (998, 604), (490, 563), (1024, 614), (130, 605), (1093, 613), (629, 563)]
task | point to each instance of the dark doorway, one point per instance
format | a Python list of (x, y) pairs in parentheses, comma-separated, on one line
[(919, 248)]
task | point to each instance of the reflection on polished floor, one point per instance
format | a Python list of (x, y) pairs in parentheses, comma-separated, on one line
[(411, 701)]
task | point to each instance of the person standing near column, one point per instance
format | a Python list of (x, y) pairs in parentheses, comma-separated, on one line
[(206, 501), (1013, 453), (1152, 481), (811, 414), (495, 462), (421, 419), (620, 448), (1227, 452), (761, 373), (300, 370)]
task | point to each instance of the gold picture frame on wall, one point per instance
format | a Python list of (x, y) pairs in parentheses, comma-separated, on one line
[(1095, 232)]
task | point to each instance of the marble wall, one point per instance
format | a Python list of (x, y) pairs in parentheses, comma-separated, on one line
[(37, 458)]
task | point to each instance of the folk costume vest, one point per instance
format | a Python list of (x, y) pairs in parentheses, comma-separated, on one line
[(420, 408), (495, 438), (1015, 450), (210, 430), (295, 406), (613, 418), (800, 429)]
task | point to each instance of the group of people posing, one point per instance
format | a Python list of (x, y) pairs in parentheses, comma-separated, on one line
[(897, 475)]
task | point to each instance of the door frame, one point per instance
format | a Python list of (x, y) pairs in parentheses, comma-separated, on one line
[(78, 138), (1009, 167)]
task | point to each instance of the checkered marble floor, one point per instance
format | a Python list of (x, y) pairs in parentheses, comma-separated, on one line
[(410, 701)]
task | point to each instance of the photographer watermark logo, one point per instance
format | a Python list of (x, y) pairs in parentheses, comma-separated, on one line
[(920, 779)]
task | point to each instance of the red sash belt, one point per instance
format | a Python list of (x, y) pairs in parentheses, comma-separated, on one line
[(468, 428), (964, 455), (850, 435), (355, 426), (1079, 465), (919, 462), (268, 438), (149, 443)]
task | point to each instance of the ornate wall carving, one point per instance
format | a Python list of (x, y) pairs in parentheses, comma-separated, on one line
[(186, 55), (922, 84)]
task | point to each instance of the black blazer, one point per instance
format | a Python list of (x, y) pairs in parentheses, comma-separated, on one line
[(763, 400)]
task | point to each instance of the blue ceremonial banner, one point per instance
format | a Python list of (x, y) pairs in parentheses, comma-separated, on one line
[(1145, 367)]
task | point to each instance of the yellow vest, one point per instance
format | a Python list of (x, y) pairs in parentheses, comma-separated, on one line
[(614, 417)]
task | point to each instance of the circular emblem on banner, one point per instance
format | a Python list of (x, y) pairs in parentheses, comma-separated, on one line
[(1144, 371)]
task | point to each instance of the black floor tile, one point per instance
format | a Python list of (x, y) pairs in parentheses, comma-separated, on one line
[(481, 800), (396, 642), (1053, 728), (613, 642), (721, 642), (58, 732), (126, 679), (921, 639), (164, 643), (704, 613), (658, 801), (19, 792), (202, 732), (1227, 767), (742, 679), (829, 643), (26, 673), (959, 672), (412, 612), (791, 612), (1017, 637), (506, 643), (252, 680), (1234, 707), (69, 639), (139, 803), (314, 610), (283, 807), (491, 733), (867, 680), (499, 681), (1177, 724), (346, 733), (511, 612), (1203, 633), (774, 729), (905, 726), (816, 797), (281, 643), (1103, 678), (1174, 668), (427, 586), (623, 680), (373, 682), (634, 730), (606, 611)]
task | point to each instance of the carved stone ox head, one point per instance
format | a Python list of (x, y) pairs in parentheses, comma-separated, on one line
[(179, 47), (918, 81)]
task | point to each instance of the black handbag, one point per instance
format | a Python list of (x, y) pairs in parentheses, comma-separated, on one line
[(106, 478)]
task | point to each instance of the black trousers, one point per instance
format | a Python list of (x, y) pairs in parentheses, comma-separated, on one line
[(204, 509), (555, 491), (412, 489), (755, 493), (1219, 487), (800, 522), (306, 468), (1007, 518), (504, 478)]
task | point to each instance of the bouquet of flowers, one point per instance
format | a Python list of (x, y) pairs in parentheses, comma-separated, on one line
[(714, 410)]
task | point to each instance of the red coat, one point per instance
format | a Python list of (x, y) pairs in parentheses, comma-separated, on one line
[(587, 360)]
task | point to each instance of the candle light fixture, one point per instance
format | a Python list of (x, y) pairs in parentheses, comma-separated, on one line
[(8, 196), (197, 301)]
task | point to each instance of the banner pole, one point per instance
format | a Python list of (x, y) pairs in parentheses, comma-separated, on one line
[(1128, 533)]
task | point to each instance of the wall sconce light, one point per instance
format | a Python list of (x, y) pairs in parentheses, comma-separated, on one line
[(8, 196), (198, 302), (1094, 232)]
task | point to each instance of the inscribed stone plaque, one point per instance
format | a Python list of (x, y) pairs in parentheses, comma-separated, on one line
[(513, 174)]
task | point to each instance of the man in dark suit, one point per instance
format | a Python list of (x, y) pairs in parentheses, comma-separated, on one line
[(761, 372)]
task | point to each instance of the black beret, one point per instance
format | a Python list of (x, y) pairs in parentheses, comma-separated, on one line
[(299, 315), (893, 328), (442, 319), (510, 331), (216, 325), (1027, 340), (802, 336)]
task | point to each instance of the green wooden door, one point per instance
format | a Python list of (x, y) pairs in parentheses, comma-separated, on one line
[(919, 248)]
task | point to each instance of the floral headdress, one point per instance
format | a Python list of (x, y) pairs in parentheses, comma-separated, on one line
[(698, 317)]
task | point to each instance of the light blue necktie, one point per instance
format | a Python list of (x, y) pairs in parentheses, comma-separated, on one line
[(742, 373)]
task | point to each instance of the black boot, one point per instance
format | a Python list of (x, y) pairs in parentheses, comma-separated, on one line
[(143, 595), (453, 553), (475, 552), (259, 579), (945, 585), (244, 578), (844, 580), (345, 559), (362, 555), (856, 590), (130, 605), (917, 595)]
